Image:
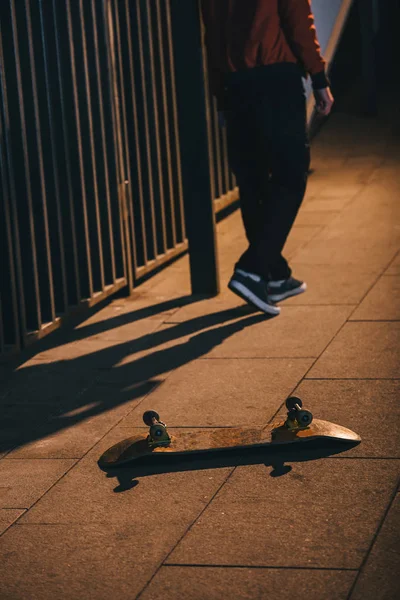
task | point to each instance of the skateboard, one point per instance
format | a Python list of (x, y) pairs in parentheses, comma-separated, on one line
[(299, 426)]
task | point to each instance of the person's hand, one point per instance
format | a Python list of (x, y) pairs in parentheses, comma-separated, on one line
[(323, 101)]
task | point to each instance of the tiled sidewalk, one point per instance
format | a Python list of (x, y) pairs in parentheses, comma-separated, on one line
[(223, 528)]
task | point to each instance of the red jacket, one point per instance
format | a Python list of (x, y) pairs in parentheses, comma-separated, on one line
[(241, 34)]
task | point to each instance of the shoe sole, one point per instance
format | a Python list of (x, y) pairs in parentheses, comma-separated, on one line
[(241, 290), (294, 292)]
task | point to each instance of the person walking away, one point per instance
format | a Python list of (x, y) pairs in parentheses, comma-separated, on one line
[(259, 52)]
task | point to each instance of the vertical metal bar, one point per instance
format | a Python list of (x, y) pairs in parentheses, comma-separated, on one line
[(36, 316), (9, 195), (99, 95), (115, 150), (209, 107), (74, 278), (79, 145), (137, 145), (167, 127), (91, 141), (147, 129), (225, 164), (48, 87), (47, 268), (9, 273), (200, 217), (156, 127), (119, 114), (215, 136), (175, 120), (2, 343)]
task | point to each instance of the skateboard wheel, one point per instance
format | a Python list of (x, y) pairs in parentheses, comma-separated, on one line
[(304, 418), (148, 417), (292, 401)]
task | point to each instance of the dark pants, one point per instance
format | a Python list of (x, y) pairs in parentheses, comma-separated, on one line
[(269, 154)]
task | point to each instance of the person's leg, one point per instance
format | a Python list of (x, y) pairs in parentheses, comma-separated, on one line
[(282, 117), (251, 169)]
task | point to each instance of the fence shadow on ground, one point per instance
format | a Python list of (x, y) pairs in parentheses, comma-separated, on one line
[(42, 399)]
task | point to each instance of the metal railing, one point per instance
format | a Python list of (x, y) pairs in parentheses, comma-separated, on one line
[(90, 156)]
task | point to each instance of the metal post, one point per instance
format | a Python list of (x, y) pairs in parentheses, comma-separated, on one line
[(194, 142)]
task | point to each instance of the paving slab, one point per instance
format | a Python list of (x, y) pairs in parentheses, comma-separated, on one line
[(223, 392), (226, 305), (168, 288), (298, 237), (174, 345), (322, 514), (95, 562), (343, 248), (339, 185), (299, 331), (388, 173), (326, 284), (382, 303), (379, 577), (89, 495), (213, 583), (326, 204), (362, 350), (371, 408), (53, 384), (69, 428), (87, 349), (365, 163), (348, 239), (23, 482), (8, 516), (373, 210), (315, 217), (59, 441), (133, 309)]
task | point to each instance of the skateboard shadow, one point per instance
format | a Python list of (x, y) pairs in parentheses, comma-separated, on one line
[(128, 475)]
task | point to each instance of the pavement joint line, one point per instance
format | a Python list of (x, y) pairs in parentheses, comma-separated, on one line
[(352, 378), (278, 567), (363, 457), (374, 320), (15, 522), (187, 531), (258, 358), (374, 539), (43, 458)]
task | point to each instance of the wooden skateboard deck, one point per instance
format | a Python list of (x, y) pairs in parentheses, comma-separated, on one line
[(206, 440)]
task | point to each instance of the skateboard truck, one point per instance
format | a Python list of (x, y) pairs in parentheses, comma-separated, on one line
[(158, 434), (297, 418)]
